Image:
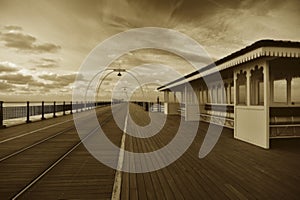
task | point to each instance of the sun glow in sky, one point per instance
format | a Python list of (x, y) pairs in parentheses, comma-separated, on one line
[(43, 43)]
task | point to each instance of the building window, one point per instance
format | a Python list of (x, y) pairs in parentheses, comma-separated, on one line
[(204, 96), (226, 94), (171, 97), (200, 96), (295, 90), (241, 88), (280, 91), (231, 94), (257, 86), (183, 97), (215, 94), (220, 94), (209, 95)]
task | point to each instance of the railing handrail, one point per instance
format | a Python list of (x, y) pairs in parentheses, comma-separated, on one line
[(41, 108)]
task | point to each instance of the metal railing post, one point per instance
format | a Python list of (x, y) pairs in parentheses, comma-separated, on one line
[(54, 110), (64, 108), (76, 106), (43, 110), (27, 113), (71, 112), (1, 115)]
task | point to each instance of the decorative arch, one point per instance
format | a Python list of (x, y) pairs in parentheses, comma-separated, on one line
[(257, 86), (241, 88)]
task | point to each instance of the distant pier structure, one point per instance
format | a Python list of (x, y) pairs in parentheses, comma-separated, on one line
[(258, 97)]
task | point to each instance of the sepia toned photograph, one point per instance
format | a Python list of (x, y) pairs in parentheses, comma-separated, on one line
[(150, 99)]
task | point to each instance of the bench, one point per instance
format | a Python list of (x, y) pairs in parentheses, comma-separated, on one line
[(284, 121)]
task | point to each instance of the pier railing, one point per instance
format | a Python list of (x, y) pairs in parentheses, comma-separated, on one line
[(151, 106), (14, 110)]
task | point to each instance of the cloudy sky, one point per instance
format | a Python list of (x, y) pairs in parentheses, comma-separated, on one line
[(43, 43)]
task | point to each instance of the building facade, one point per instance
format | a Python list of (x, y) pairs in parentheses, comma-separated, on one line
[(258, 95)]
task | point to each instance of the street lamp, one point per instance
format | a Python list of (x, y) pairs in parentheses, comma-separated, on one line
[(119, 70)]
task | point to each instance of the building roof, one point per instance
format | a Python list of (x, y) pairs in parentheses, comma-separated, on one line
[(253, 51)]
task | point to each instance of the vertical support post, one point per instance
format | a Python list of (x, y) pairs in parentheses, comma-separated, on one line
[(147, 106), (209, 95), (54, 110), (186, 102), (166, 96), (235, 95), (197, 97), (76, 105), (43, 110), (174, 96), (71, 111), (166, 102), (289, 90), (223, 94), (271, 89), (64, 108), (158, 104), (248, 75), (1, 115), (27, 113), (228, 93), (267, 99), (81, 105)]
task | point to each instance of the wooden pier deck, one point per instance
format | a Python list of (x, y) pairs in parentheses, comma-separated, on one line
[(232, 170)]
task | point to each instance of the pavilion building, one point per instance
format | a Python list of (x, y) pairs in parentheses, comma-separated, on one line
[(258, 97)]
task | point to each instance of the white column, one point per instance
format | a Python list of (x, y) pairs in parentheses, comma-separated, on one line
[(234, 88), (223, 94), (289, 90), (166, 96), (175, 99), (228, 93), (267, 102), (234, 103), (248, 86), (166, 102)]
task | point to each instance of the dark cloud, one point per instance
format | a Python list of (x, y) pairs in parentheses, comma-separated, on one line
[(132, 14), (46, 47), (27, 42), (49, 60), (13, 27), (6, 67), (49, 77), (18, 40), (37, 84), (5, 87), (59, 81), (16, 78), (47, 65)]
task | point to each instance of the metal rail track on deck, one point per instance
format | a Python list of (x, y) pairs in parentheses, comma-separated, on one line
[(39, 177), (36, 143), (57, 161)]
